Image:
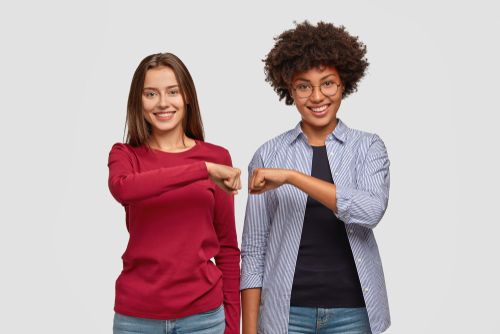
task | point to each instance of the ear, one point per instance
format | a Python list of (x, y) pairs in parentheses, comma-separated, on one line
[(290, 92)]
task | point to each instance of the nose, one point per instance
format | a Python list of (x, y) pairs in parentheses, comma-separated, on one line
[(163, 103), (316, 94)]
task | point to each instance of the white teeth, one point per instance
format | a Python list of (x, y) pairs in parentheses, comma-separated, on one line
[(319, 109)]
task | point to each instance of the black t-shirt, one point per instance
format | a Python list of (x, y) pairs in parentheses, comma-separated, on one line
[(325, 272)]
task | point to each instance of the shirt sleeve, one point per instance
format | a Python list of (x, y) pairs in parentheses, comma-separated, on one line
[(255, 234), (128, 186), (366, 204), (228, 258)]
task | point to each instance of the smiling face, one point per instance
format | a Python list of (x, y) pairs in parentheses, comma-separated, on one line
[(163, 105), (319, 109)]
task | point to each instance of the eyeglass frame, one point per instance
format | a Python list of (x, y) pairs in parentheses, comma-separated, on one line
[(312, 90)]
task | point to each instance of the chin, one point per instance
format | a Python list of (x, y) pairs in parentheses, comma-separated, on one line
[(163, 128), (319, 123)]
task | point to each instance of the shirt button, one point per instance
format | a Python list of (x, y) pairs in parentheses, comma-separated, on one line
[(351, 231), (359, 260), (366, 290)]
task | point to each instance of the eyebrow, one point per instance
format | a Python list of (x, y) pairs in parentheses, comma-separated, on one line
[(323, 78), (168, 87)]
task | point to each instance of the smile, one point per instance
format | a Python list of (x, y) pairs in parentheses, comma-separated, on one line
[(320, 110), (164, 115)]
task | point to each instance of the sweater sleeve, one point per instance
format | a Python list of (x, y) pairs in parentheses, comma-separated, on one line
[(129, 186), (228, 258)]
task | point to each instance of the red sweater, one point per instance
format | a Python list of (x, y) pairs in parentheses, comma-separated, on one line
[(178, 220)]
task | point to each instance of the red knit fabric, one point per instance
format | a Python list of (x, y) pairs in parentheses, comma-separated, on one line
[(178, 220)]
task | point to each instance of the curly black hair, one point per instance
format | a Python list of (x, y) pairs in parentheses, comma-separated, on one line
[(308, 46)]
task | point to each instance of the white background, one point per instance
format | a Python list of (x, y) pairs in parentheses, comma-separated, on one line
[(430, 92)]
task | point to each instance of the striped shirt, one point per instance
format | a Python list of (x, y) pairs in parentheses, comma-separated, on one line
[(274, 219)]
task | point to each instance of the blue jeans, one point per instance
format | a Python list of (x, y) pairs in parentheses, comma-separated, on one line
[(211, 322), (313, 320)]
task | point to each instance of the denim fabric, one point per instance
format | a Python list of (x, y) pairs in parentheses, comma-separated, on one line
[(211, 322), (313, 320)]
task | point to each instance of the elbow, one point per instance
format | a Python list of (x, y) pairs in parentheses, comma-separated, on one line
[(369, 213), (376, 211), (119, 192)]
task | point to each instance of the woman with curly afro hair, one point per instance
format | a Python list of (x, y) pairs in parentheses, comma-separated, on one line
[(310, 261)]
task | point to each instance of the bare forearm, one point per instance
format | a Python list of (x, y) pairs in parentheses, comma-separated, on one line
[(322, 191), (250, 302)]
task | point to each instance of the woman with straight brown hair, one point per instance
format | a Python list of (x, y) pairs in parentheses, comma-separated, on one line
[(177, 191)]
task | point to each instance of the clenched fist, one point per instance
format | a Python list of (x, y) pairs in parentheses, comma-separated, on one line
[(227, 178), (264, 179)]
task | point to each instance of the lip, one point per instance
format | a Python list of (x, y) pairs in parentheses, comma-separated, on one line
[(319, 111), (164, 115)]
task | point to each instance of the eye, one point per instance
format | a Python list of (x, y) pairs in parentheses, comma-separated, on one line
[(150, 94), (173, 92), (328, 83), (302, 87)]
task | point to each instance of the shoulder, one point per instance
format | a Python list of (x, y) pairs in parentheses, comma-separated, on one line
[(121, 149), (123, 154), (126, 149), (213, 148), (267, 151), (217, 153), (363, 141), (126, 152)]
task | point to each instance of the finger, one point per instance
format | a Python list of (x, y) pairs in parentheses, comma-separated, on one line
[(233, 181), (226, 189), (256, 192), (223, 186), (251, 181), (233, 184), (237, 183), (252, 177), (228, 184), (259, 181), (258, 177)]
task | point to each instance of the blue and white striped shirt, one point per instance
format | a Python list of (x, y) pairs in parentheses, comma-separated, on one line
[(273, 220)]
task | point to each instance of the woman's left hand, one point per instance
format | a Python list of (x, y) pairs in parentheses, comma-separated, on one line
[(264, 179)]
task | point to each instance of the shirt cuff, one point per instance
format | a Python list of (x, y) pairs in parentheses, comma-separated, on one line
[(344, 198), (251, 281)]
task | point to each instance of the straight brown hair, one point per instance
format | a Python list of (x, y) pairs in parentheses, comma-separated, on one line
[(137, 128)]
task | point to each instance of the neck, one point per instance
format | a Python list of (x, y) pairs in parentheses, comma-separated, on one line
[(170, 140), (316, 136)]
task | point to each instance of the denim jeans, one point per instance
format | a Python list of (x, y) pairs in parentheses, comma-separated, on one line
[(211, 322), (313, 320)]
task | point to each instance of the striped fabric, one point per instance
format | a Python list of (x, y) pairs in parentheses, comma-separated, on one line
[(273, 220)]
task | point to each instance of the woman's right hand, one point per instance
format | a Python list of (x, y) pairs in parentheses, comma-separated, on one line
[(227, 178)]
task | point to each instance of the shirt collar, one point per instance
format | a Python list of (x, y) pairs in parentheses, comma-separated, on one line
[(339, 133)]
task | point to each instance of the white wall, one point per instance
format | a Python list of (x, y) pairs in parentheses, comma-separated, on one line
[(430, 93)]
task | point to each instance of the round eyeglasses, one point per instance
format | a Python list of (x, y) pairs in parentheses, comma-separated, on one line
[(327, 88)]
